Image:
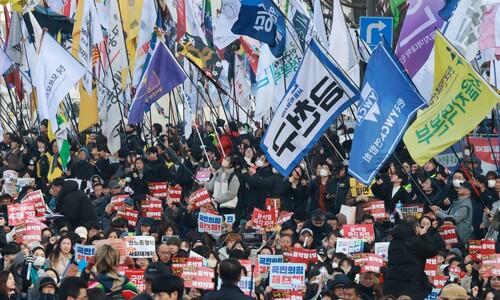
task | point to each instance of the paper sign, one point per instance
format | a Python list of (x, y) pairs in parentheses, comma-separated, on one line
[(18, 213), (158, 189), (200, 198), (29, 231), (199, 283), (263, 219), (136, 276), (84, 252), (374, 208), (203, 175), (369, 262), (230, 218), (382, 249), (265, 261), (282, 275), (129, 214), (349, 212), (140, 246), (198, 272), (349, 246), (283, 218), (209, 223), (273, 204), (487, 247), (448, 234), (179, 264), (152, 208), (431, 267), (492, 264), (10, 176), (415, 210), (36, 198), (118, 243), (357, 188), (174, 194), (22, 182), (117, 201), (359, 231), (301, 255)]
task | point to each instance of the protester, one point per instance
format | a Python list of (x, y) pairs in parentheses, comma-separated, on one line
[(230, 273)]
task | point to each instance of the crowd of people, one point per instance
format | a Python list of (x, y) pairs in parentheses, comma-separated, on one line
[(313, 197)]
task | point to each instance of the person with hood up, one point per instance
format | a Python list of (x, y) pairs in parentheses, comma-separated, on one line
[(106, 261), (82, 169), (410, 246), (75, 205)]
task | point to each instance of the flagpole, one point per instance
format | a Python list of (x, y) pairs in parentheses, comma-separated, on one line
[(491, 147), (467, 174)]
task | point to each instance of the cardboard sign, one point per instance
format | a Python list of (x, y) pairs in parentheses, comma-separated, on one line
[(263, 219), (84, 252), (431, 267), (492, 264), (374, 208), (448, 234), (357, 188), (349, 212), (359, 231), (36, 198), (369, 262), (416, 210), (283, 218), (129, 214), (349, 246), (203, 175), (174, 194), (140, 246), (282, 275), (179, 264), (301, 255), (152, 208), (265, 262), (136, 276), (158, 189), (200, 198), (382, 249), (28, 231), (117, 201), (19, 213), (209, 223)]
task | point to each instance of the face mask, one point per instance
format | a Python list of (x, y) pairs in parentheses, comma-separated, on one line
[(457, 183), (303, 166), (39, 261), (491, 183), (335, 265), (467, 152), (211, 263), (323, 173), (259, 163), (41, 149)]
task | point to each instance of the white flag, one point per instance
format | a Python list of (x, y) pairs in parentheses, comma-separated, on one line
[(57, 74), (319, 23), (90, 35), (148, 21), (223, 36)]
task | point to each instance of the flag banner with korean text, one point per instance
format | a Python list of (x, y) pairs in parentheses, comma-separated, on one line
[(162, 75), (460, 99), (383, 115), (261, 20), (319, 92)]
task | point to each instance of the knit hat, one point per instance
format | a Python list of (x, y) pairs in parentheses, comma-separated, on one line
[(173, 241), (46, 281)]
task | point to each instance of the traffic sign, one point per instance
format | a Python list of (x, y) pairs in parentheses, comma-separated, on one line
[(372, 27)]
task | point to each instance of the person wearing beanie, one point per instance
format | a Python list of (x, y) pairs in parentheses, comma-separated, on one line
[(174, 244)]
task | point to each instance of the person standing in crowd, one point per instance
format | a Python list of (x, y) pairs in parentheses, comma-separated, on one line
[(75, 205), (337, 189), (168, 287), (230, 274), (72, 288), (8, 289), (410, 246), (224, 186), (13, 159), (392, 193)]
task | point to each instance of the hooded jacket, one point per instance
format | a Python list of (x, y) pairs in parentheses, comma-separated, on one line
[(75, 205)]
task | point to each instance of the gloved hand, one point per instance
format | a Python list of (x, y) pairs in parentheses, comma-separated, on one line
[(90, 264), (129, 262), (25, 285)]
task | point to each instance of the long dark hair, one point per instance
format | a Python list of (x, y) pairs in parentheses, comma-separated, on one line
[(4, 276), (56, 253)]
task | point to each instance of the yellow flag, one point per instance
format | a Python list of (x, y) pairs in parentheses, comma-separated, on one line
[(88, 108), (133, 33), (77, 28), (460, 100)]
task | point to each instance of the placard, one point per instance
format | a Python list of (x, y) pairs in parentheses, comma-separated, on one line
[(179, 264), (117, 201), (265, 261), (84, 252), (358, 189), (349, 212), (358, 231), (129, 214), (263, 219), (283, 218), (158, 189), (492, 264), (301, 255), (376, 208), (448, 234), (118, 243), (28, 231), (10, 176), (230, 218), (203, 175), (199, 198), (416, 210), (369, 262), (274, 204), (349, 246), (282, 275), (18, 213), (174, 194), (36, 198), (431, 266), (199, 283), (286, 295), (152, 208), (209, 223), (140, 246), (203, 272), (22, 182), (136, 276), (382, 249)]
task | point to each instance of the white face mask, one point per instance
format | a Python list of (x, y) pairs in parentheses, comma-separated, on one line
[(323, 173), (259, 163), (303, 166), (491, 183), (211, 263), (457, 183), (39, 261), (467, 152)]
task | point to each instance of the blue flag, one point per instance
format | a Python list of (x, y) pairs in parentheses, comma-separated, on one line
[(447, 11), (388, 101), (261, 20), (162, 75)]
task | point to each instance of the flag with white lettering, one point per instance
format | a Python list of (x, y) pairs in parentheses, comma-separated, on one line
[(319, 92), (383, 114)]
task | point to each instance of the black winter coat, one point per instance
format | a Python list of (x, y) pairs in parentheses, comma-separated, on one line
[(75, 205), (227, 292), (405, 269)]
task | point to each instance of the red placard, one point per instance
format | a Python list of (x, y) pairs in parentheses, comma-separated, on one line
[(18, 213), (283, 218), (199, 283), (200, 198), (475, 249), (36, 198), (487, 247), (117, 201), (158, 189), (287, 295), (438, 281), (181, 263), (300, 255), (369, 262), (29, 231), (375, 208), (136, 276), (198, 272), (152, 208), (263, 219), (129, 214), (431, 267), (174, 194), (492, 264), (448, 234), (358, 231), (274, 204)]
